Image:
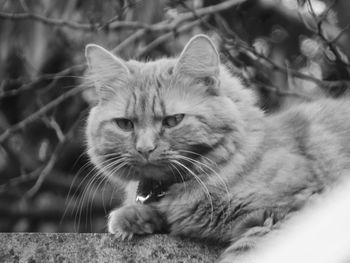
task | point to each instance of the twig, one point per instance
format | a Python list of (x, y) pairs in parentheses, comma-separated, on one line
[(47, 20), (340, 34), (298, 74), (52, 161), (114, 25), (163, 38), (133, 37), (235, 42), (22, 124), (24, 5), (175, 23), (56, 127), (115, 18), (32, 85), (20, 179), (329, 43)]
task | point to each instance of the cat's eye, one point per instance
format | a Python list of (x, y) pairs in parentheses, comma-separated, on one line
[(124, 124), (173, 120)]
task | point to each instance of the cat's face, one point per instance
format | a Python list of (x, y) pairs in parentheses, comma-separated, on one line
[(156, 119)]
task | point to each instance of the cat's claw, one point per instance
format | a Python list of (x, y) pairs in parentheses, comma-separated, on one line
[(123, 235)]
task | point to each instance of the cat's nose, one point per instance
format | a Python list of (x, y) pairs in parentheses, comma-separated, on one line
[(146, 150), (146, 142)]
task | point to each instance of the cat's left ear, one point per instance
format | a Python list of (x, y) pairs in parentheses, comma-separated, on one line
[(107, 71), (199, 58)]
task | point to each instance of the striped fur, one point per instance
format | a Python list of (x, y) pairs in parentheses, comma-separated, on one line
[(236, 173)]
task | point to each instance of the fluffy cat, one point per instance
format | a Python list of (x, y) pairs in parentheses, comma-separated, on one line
[(189, 143)]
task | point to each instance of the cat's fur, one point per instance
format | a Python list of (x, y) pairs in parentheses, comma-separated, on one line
[(248, 171)]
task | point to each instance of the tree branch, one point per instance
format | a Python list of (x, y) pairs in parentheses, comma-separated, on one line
[(52, 161), (115, 25), (32, 85), (36, 115), (234, 42), (166, 37), (172, 25)]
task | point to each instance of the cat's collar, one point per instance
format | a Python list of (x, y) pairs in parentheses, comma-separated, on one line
[(150, 190)]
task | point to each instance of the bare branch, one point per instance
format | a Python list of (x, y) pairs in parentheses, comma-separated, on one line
[(166, 37), (329, 43), (52, 161), (115, 25), (46, 20), (133, 37), (112, 25), (32, 85), (235, 42), (340, 34), (20, 179), (298, 74), (24, 5), (36, 115), (174, 24)]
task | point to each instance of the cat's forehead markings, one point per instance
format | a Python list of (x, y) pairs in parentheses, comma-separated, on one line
[(160, 101), (134, 96), (129, 105), (143, 102), (159, 84), (154, 104)]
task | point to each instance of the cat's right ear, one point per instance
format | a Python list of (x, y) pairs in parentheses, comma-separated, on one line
[(199, 58), (106, 71)]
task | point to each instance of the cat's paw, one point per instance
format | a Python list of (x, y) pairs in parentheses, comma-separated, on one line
[(134, 219)]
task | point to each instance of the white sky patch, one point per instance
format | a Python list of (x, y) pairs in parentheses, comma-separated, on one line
[(320, 234)]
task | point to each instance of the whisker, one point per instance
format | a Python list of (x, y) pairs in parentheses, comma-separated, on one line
[(91, 199), (200, 155), (198, 164), (81, 202), (206, 190), (110, 162), (182, 178)]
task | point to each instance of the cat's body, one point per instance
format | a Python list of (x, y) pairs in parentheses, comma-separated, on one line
[(233, 174)]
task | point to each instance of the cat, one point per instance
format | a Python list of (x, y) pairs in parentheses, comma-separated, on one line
[(198, 157)]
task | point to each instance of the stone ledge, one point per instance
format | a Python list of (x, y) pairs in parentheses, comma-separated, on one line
[(100, 248)]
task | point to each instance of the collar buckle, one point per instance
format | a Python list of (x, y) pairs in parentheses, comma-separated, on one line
[(151, 197)]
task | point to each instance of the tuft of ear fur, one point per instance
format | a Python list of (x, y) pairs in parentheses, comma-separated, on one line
[(199, 58), (106, 71)]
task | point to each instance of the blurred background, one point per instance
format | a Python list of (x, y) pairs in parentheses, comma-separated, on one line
[(288, 51)]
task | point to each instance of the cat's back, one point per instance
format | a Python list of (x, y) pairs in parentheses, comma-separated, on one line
[(327, 116), (316, 132)]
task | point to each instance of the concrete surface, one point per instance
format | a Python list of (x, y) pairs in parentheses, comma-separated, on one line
[(100, 248)]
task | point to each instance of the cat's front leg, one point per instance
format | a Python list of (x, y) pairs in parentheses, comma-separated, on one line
[(192, 213), (135, 219)]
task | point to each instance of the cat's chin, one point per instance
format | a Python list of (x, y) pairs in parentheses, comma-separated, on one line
[(154, 172)]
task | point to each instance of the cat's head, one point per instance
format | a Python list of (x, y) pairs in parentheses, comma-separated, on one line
[(158, 119)]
